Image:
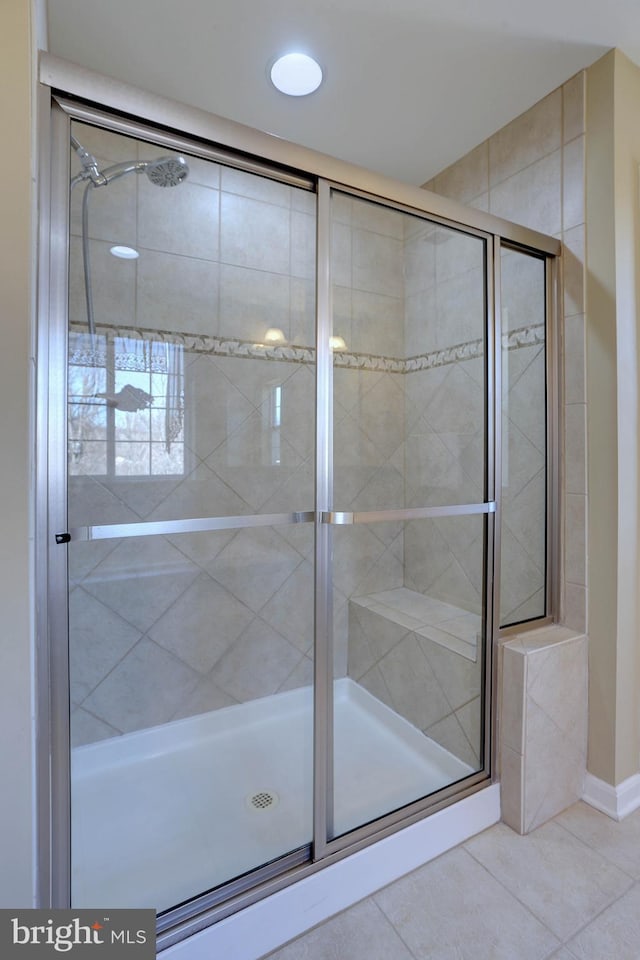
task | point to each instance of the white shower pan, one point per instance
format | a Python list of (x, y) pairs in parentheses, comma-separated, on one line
[(163, 814)]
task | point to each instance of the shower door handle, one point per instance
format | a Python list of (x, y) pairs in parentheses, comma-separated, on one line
[(344, 518), (152, 528)]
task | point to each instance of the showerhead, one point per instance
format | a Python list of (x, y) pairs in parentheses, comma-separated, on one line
[(167, 171), (163, 172)]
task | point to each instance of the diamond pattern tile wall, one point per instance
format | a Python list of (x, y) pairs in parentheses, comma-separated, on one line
[(179, 624)]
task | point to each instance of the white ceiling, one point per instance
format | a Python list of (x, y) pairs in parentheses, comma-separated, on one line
[(410, 85)]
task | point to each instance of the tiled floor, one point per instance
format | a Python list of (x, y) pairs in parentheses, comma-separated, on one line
[(569, 890)]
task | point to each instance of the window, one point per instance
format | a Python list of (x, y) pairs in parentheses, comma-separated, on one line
[(126, 406)]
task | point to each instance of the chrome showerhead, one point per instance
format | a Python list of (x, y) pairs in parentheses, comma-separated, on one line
[(163, 172), (167, 171)]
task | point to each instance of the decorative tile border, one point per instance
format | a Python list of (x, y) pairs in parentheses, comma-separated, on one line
[(83, 355), (368, 361), (524, 337), (441, 358)]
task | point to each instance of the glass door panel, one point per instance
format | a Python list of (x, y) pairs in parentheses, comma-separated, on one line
[(191, 384), (409, 437)]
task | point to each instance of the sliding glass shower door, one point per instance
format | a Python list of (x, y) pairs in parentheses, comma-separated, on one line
[(191, 410), (408, 507)]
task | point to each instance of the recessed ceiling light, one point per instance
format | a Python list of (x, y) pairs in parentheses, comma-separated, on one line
[(296, 74), (125, 253)]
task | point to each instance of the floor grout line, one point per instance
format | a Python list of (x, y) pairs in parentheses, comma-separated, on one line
[(593, 849), (636, 879), (515, 896), (561, 943), (372, 898), (596, 916), (563, 940)]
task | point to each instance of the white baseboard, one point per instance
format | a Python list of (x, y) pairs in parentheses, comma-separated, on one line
[(270, 923), (617, 802)]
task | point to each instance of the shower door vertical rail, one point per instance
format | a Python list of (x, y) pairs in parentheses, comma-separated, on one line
[(323, 654), (52, 366), (555, 400), (494, 491)]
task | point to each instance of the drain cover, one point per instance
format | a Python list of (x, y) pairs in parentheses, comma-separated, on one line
[(262, 800)]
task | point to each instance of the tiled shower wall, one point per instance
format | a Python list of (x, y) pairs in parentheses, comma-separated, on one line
[(439, 458), (368, 453), (532, 172), (169, 626), (165, 627), (444, 417)]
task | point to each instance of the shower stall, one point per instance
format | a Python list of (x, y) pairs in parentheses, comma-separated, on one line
[(300, 480)]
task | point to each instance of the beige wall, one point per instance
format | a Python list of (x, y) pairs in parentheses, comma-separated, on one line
[(16, 748), (627, 177), (613, 158)]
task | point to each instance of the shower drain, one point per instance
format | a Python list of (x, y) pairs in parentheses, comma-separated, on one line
[(262, 800)]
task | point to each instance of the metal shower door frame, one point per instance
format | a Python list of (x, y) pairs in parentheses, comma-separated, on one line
[(125, 110)]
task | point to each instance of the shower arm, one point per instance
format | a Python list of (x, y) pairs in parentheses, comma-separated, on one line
[(100, 178), (118, 170), (90, 170)]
